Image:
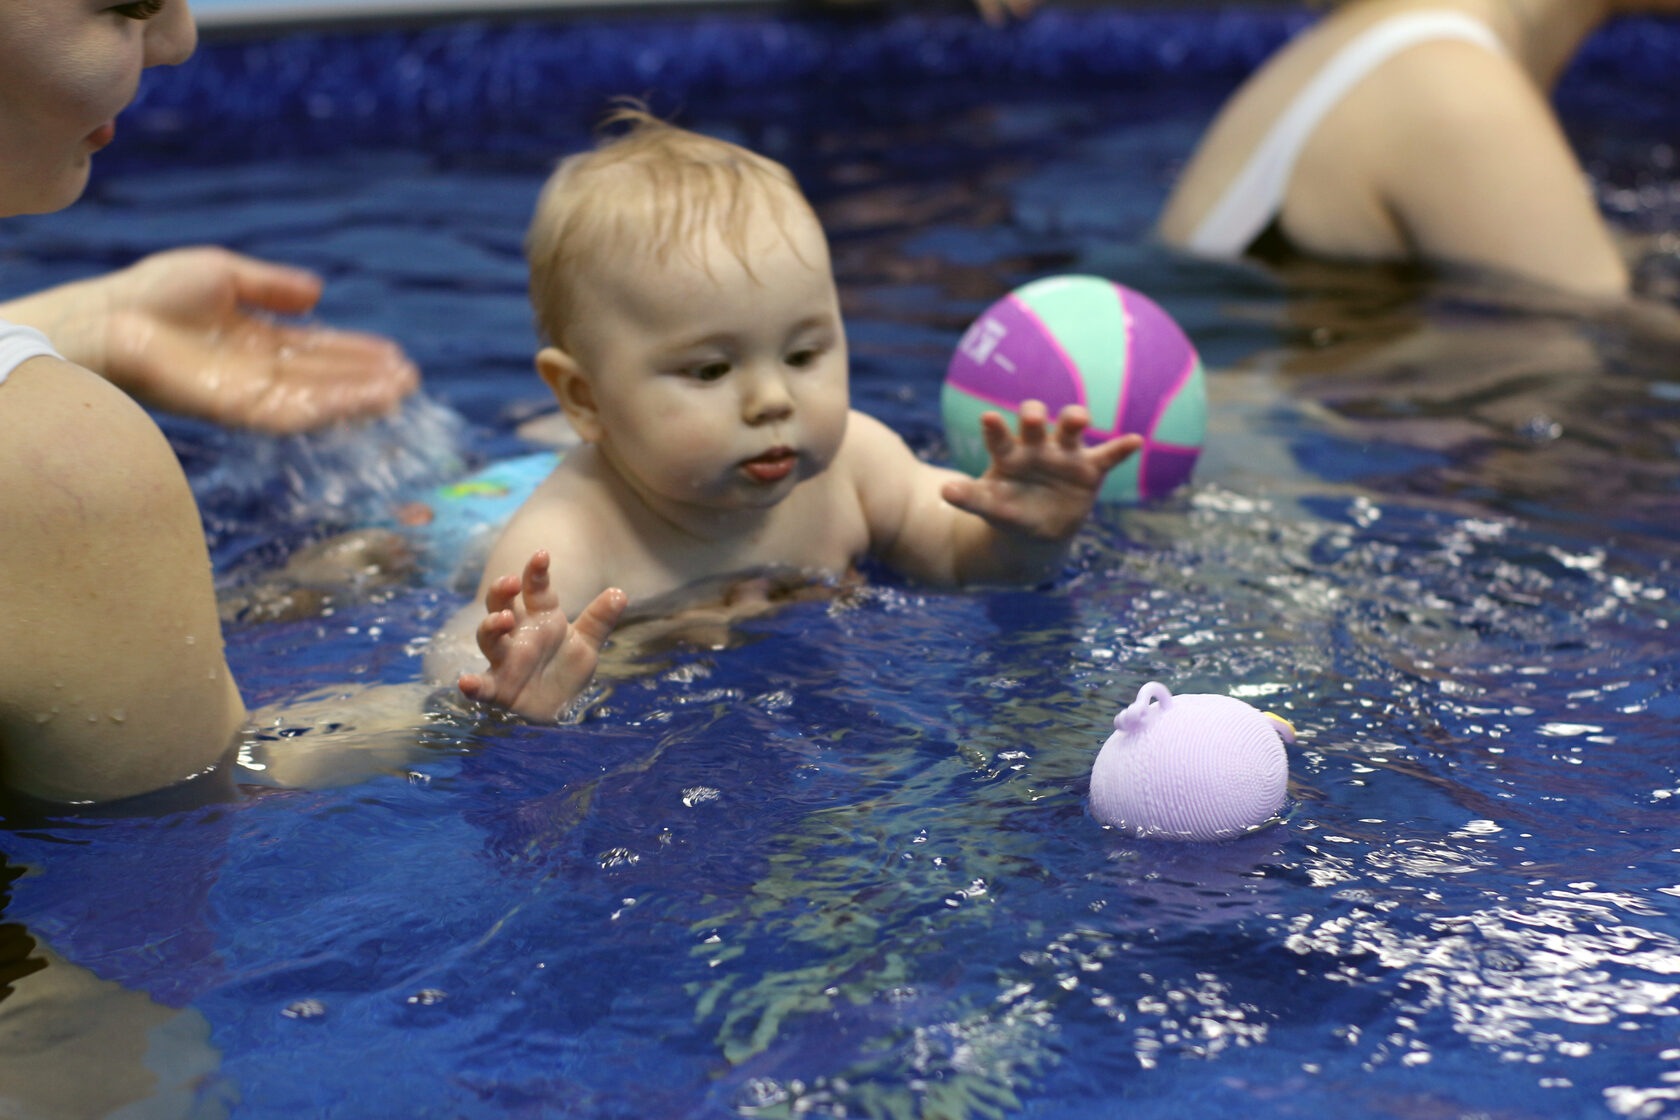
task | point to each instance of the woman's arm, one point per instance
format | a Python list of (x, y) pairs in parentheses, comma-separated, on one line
[(1477, 172), (112, 676), (194, 331)]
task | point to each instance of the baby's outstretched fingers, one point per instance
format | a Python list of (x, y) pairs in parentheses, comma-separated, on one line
[(501, 594), (1040, 486), (994, 429), (1111, 453), (596, 622), (492, 628), (496, 623), (539, 662), (1034, 416), (1070, 427), (535, 587)]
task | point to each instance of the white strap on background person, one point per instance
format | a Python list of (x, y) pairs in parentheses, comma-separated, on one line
[(1256, 195)]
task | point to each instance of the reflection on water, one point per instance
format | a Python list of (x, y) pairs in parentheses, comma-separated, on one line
[(1555, 415), (73, 1045), (845, 868)]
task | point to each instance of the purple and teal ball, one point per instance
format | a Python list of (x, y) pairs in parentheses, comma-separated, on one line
[(1088, 341)]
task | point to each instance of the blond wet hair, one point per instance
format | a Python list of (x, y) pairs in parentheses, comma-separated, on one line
[(650, 188)]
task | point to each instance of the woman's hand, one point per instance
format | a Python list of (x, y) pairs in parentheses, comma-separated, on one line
[(192, 331)]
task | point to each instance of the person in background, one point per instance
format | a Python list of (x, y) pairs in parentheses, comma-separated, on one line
[(1396, 130), (113, 680)]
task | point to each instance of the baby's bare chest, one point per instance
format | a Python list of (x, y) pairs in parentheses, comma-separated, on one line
[(824, 540), (599, 538)]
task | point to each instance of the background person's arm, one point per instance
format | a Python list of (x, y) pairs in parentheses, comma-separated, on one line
[(1477, 172), (112, 675)]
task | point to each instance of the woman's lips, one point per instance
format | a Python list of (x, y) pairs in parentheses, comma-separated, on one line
[(772, 466), (102, 135)]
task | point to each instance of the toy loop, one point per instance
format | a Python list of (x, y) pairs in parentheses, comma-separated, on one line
[(1132, 717)]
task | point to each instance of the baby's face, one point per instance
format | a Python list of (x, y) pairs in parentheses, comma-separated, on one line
[(716, 386)]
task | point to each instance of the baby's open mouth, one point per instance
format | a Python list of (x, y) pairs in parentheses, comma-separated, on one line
[(772, 466)]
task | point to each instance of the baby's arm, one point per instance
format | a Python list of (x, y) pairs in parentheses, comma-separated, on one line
[(539, 663), (1013, 523)]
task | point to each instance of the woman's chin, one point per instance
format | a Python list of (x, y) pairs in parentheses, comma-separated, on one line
[(44, 197)]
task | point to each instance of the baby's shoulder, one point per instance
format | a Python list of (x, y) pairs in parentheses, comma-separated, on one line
[(562, 508), (871, 447), (860, 426), (873, 456), (563, 515)]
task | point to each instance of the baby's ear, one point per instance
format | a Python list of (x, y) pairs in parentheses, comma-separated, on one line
[(565, 379)]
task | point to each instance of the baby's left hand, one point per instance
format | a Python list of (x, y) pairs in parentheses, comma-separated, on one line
[(539, 662), (1043, 482)]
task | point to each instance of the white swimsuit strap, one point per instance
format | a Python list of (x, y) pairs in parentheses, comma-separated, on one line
[(18, 344), (1256, 195)]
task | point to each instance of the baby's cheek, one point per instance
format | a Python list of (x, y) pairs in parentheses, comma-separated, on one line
[(693, 444), (676, 429), (826, 426), (684, 452)]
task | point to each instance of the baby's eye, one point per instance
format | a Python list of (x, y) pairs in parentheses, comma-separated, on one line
[(711, 371), (802, 359), (142, 9)]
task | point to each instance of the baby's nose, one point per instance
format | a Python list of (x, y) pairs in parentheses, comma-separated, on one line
[(765, 398)]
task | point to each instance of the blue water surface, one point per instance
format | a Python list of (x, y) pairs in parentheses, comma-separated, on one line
[(846, 868)]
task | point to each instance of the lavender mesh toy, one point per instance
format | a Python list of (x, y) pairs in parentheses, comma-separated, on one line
[(1193, 767)]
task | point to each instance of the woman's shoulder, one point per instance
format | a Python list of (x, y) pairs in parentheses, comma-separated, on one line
[(88, 473), (1309, 79), (70, 432), (106, 578)]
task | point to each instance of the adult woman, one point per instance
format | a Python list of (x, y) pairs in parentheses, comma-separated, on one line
[(1410, 129), (112, 676)]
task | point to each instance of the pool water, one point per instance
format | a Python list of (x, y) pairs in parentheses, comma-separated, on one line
[(846, 867)]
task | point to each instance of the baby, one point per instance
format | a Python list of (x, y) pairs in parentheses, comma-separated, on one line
[(696, 346)]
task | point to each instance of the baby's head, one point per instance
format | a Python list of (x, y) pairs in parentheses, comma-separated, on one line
[(650, 193), (694, 334)]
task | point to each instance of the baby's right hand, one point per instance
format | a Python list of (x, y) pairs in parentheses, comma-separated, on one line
[(539, 663)]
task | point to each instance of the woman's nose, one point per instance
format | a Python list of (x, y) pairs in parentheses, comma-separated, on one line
[(171, 35)]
